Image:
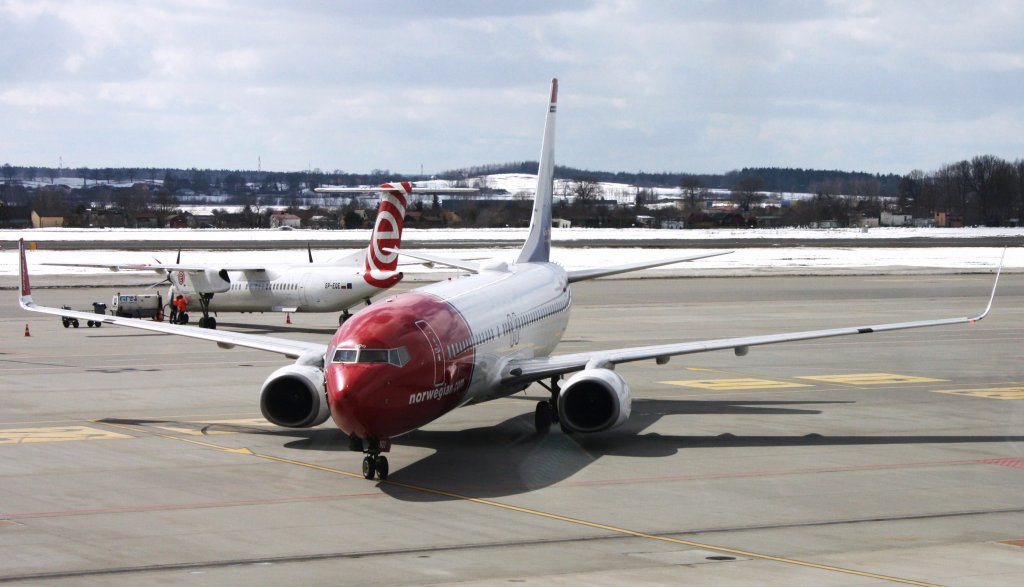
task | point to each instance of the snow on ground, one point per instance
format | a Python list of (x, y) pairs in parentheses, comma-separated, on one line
[(744, 260), (300, 237)]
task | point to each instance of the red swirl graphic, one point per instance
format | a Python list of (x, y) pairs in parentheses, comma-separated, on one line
[(387, 233)]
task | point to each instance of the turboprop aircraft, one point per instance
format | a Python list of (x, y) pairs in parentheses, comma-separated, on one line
[(310, 287), (414, 356)]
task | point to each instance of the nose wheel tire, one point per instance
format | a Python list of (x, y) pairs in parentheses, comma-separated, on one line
[(369, 467), (382, 467), (375, 466)]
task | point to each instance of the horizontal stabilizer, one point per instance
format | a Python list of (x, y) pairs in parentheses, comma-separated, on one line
[(471, 266)]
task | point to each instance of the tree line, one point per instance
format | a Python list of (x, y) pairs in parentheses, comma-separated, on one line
[(984, 190)]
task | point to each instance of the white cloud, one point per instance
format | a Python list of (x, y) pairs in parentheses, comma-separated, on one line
[(701, 86)]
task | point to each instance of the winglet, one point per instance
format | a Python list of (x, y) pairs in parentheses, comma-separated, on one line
[(992, 297), (26, 288), (537, 247)]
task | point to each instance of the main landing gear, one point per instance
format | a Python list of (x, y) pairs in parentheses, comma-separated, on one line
[(207, 321), (374, 463), (546, 413), (346, 315)]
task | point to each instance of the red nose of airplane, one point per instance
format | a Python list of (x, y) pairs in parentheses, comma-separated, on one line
[(392, 367)]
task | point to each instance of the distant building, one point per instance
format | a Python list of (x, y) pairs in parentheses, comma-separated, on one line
[(673, 224), (279, 219), (15, 217), (561, 223), (44, 218), (890, 219)]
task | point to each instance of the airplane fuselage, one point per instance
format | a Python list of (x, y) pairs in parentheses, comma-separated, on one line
[(297, 288), (414, 356)]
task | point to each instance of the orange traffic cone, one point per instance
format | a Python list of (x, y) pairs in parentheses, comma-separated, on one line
[(288, 318), (27, 333)]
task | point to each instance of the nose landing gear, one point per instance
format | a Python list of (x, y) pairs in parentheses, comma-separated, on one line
[(374, 463)]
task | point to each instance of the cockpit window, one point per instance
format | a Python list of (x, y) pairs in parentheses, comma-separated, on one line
[(397, 357), (345, 355), (373, 356)]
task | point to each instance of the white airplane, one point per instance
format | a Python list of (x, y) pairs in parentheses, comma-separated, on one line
[(311, 287), (412, 357)]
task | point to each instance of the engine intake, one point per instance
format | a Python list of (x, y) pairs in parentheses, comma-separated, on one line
[(211, 281), (594, 400), (293, 397)]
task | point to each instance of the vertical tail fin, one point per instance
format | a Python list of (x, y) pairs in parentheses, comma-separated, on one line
[(381, 263), (537, 247)]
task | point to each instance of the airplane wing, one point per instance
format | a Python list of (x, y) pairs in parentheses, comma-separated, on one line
[(333, 189), (528, 370), (162, 267), (583, 274), (289, 348), (574, 275)]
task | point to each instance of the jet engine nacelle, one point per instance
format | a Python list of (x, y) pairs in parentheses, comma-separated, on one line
[(210, 281), (294, 397), (594, 400)]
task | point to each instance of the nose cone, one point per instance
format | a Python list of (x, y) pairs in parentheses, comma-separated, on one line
[(360, 396), (404, 374)]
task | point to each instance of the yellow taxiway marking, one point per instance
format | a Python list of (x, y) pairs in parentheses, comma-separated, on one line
[(210, 427), (990, 392), (871, 379), (735, 384), (56, 434), (542, 514)]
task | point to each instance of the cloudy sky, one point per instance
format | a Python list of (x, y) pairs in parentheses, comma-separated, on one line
[(689, 86)]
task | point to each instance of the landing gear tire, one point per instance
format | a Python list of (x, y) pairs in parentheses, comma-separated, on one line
[(208, 322), (343, 318), (381, 462), (369, 467), (543, 416)]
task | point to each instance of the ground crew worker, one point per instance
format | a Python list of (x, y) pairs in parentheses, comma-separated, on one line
[(181, 307)]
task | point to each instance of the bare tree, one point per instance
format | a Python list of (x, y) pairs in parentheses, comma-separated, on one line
[(692, 190), (747, 192), (585, 190)]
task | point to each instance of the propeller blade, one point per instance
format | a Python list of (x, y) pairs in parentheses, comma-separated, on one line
[(309, 250)]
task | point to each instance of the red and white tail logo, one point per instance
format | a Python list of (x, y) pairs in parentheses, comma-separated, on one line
[(387, 233)]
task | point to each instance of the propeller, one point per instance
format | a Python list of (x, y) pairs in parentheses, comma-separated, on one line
[(309, 250), (167, 273)]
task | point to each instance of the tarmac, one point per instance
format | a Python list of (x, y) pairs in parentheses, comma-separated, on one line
[(893, 458)]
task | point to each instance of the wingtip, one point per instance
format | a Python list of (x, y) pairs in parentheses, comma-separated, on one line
[(992, 296), (554, 90)]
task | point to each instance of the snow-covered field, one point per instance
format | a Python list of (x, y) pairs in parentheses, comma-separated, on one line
[(484, 235), (795, 258)]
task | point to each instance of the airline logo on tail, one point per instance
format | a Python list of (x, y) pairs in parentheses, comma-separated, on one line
[(387, 234)]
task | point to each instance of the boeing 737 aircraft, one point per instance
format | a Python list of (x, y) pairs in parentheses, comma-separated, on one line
[(311, 287), (412, 357)]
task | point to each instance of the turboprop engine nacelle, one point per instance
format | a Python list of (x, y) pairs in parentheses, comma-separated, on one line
[(294, 397), (210, 281), (594, 400)]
